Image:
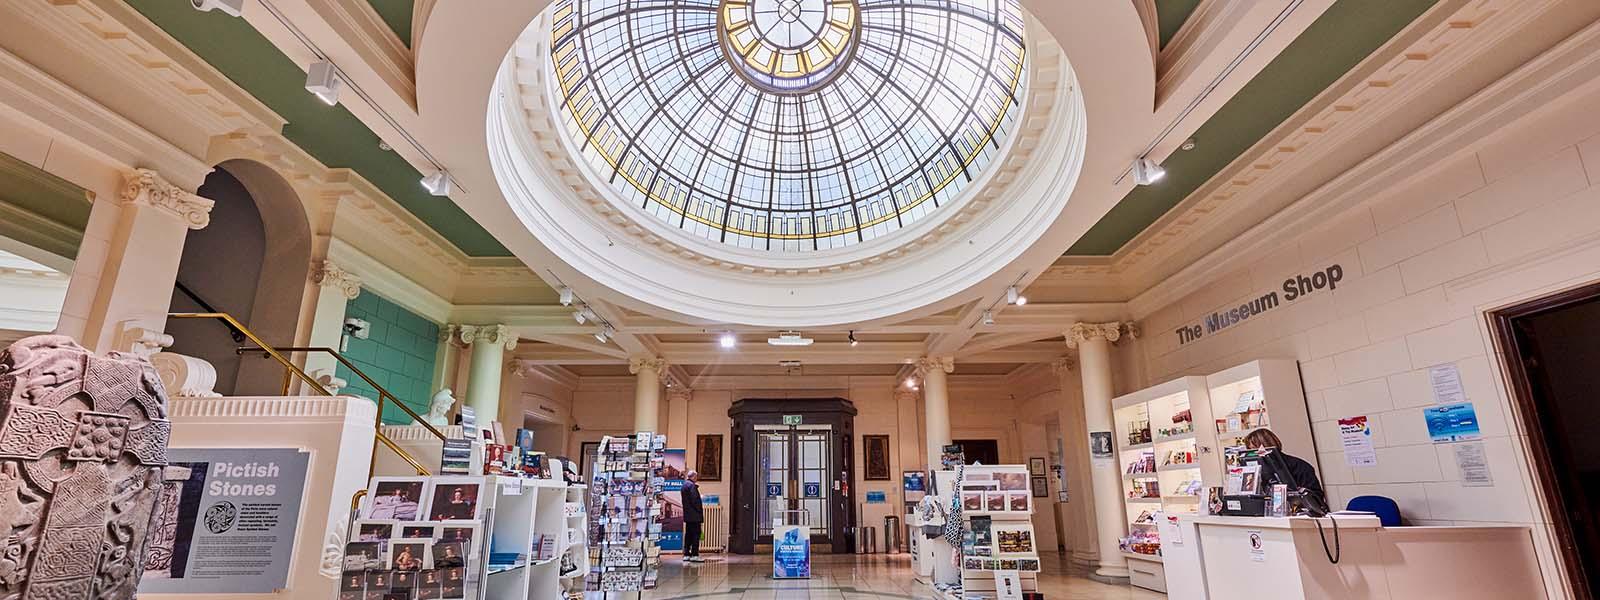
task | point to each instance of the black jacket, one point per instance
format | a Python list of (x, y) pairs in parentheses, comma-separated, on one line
[(692, 511), (1300, 473)]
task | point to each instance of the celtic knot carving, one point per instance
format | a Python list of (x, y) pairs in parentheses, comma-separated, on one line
[(83, 442)]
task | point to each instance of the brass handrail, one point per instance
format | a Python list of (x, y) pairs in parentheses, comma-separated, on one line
[(262, 346), (382, 394)]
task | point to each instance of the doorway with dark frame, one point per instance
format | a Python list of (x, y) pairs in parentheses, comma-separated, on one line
[(1551, 346), (986, 452)]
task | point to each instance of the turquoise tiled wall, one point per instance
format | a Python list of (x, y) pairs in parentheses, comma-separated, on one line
[(398, 354)]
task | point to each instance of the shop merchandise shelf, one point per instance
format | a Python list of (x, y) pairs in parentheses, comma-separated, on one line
[(1134, 447), (1178, 467), (1175, 438)]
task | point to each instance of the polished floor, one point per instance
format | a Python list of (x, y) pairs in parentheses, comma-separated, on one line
[(846, 577)]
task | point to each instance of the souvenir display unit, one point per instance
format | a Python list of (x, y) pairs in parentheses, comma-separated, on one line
[(998, 550), (625, 517), (1159, 450)]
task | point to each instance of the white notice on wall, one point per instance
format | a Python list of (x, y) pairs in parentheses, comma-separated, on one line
[(1258, 549), (1473, 463), (1446, 382), (1355, 434)]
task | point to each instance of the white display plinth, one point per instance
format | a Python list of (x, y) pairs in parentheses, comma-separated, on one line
[(336, 431)]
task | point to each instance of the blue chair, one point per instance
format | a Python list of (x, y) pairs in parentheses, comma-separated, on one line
[(1388, 512)]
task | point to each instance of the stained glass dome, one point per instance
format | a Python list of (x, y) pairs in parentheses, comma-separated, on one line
[(788, 125)]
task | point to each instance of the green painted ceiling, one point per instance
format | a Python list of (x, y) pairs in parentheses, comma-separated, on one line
[(1170, 16), (329, 133), (1344, 35), (397, 15)]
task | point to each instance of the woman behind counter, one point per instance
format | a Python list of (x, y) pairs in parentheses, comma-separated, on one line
[(1284, 468)]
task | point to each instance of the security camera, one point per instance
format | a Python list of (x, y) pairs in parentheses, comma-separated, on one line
[(232, 7), (357, 328)]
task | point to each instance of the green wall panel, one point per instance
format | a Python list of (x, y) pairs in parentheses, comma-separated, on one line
[(399, 353)]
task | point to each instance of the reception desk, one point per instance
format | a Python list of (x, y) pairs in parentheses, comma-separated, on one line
[(1284, 558)]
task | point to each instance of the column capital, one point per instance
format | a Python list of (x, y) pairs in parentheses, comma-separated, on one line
[(148, 188), (1080, 333), (520, 368), (653, 363), (928, 364), (491, 334), (327, 274), (1064, 364)]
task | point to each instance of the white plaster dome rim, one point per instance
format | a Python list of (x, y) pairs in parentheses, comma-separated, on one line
[(1008, 210)]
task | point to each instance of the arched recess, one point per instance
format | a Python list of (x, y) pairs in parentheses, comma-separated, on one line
[(253, 262)]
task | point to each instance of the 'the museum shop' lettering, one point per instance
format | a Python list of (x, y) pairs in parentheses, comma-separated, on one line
[(1293, 288)]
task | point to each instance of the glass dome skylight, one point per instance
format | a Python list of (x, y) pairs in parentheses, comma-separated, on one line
[(788, 125)]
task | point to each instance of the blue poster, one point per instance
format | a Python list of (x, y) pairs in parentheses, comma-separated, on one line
[(916, 481), (813, 490), (673, 469), (877, 498), (1452, 422), (791, 552), (774, 490)]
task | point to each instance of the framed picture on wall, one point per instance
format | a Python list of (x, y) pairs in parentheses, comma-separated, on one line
[(588, 451), (708, 456), (876, 452), (1036, 466), (1041, 487)]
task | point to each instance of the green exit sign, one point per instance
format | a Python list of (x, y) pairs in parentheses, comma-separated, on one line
[(791, 420)]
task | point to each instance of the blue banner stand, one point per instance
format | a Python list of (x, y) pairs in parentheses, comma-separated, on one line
[(791, 550)]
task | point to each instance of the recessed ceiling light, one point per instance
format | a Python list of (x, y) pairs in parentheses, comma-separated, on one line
[(323, 81), (728, 340), (790, 338), (911, 382)]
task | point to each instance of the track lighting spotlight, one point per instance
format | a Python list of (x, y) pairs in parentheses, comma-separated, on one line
[(232, 8), (438, 184), (323, 81), (988, 318), (566, 296), (584, 314), (605, 334), (911, 382), (1013, 296), (1146, 171), (853, 341)]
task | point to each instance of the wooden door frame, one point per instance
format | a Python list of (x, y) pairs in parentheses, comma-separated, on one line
[(1526, 412)]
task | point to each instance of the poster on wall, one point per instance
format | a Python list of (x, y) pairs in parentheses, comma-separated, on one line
[(230, 526), (674, 467), (1355, 434), (1452, 423), (1100, 447)]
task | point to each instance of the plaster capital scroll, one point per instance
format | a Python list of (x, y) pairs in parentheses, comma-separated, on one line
[(641, 363), (147, 188), (1081, 333), (492, 334), (1064, 364), (928, 364), (327, 274)]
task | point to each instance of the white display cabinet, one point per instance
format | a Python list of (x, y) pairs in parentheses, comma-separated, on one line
[(1163, 441), (1256, 395), (522, 509)]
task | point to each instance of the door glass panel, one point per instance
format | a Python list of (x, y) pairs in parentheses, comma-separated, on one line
[(798, 465)]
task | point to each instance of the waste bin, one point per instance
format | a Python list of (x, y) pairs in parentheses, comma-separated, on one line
[(891, 534)]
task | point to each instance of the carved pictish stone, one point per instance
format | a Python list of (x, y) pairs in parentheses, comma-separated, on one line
[(83, 440)]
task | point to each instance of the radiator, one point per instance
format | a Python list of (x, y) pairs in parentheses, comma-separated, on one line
[(716, 529)]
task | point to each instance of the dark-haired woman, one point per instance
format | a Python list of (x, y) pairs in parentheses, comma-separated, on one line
[(1278, 467)]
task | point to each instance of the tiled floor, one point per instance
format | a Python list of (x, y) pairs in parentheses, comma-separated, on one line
[(846, 577)]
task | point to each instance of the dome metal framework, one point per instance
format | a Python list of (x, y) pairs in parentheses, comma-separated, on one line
[(788, 125)]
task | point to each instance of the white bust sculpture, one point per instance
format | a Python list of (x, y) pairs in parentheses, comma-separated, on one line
[(439, 409)]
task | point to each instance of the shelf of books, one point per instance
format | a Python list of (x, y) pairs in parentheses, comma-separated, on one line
[(999, 553), (1256, 395), (1160, 452)]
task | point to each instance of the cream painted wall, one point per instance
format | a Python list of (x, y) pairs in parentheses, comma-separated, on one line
[(1515, 217)]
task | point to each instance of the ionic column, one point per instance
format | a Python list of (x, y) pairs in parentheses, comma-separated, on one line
[(678, 398), (936, 405), (134, 287), (1081, 540), (489, 343), (336, 287), (447, 359), (1093, 341), (647, 392)]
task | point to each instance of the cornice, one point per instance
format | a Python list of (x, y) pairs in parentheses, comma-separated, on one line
[(358, 24), (1569, 65), (1371, 91)]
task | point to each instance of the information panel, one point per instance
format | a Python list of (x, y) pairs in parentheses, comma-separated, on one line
[(229, 527), (791, 552)]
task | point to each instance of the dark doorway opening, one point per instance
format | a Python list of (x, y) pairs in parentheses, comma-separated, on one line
[(980, 451), (1551, 347), (788, 470)]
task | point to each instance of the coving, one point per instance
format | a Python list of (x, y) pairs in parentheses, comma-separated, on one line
[(1293, 288)]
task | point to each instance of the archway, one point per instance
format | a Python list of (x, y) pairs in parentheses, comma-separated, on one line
[(252, 262)]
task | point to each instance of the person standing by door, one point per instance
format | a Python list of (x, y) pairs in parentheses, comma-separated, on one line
[(693, 517)]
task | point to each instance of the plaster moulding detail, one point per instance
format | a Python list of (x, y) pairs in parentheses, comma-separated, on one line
[(147, 188), (492, 334), (1309, 135), (327, 274), (650, 363), (1082, 333), (929, 364)]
